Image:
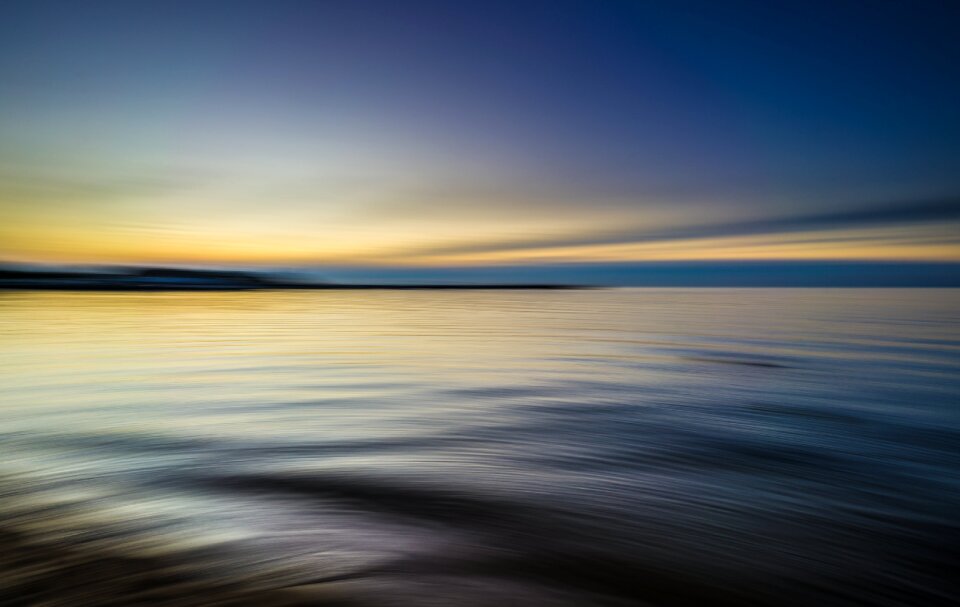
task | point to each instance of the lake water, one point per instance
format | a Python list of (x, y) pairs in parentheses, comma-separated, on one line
[(480, 448)]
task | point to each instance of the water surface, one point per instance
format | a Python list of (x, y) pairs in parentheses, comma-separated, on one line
[(598, 447)]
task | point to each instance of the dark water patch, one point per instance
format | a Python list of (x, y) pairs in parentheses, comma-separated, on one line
[(592, 578), (422, 501), (525, 542), (501, 392), (810, 413), (736, 361), (55, 573)]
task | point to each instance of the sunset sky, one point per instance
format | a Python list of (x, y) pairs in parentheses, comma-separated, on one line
[(455, 133)]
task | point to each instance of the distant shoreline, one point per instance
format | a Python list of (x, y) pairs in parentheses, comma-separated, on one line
[(326, 287), (179, 279)]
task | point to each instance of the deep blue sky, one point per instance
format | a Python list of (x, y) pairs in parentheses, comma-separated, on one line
[(479, 133)]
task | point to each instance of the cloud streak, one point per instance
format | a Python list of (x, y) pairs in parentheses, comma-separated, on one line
[(900, 213)]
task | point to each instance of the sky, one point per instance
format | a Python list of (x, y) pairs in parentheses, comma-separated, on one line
[(457, 134)]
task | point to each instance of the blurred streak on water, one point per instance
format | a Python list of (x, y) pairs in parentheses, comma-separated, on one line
[(599, 447)]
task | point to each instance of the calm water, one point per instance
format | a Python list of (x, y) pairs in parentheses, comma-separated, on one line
[(601, 447)]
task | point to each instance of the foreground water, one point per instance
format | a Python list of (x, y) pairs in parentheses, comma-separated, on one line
[(599, 447)]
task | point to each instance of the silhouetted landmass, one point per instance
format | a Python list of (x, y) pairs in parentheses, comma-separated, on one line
[(178, 279)]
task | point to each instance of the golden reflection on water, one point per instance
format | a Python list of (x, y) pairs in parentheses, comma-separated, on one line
[(206, 354)]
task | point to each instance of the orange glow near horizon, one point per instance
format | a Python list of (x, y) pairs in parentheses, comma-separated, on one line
[(437, 245)]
